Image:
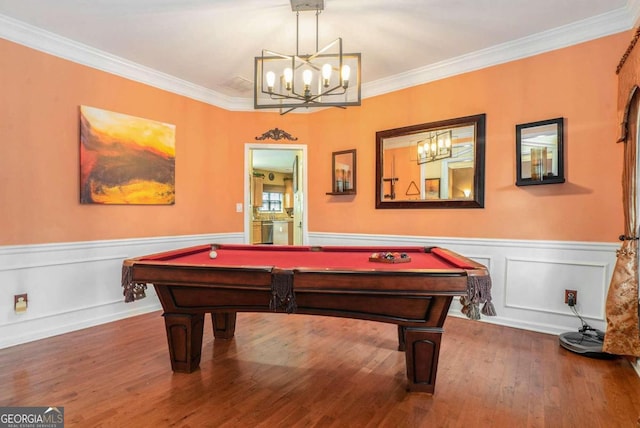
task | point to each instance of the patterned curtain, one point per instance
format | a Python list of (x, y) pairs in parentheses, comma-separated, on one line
[(623, 331)]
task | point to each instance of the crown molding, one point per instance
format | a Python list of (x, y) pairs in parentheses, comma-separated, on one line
[(633, 9), (62, 47), (599, 26), (578, 32)]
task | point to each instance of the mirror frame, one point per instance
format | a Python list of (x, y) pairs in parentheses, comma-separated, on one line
[(559, 178), (479, 121), (352, 189)]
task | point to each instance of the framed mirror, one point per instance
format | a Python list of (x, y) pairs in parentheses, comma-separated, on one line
[(432, 165), (540, 152), (343, 176)]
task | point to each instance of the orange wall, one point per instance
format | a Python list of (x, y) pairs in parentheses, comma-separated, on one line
[(39, 172), (39, 178), (578, 83)]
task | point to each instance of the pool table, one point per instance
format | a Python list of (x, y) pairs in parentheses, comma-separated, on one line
[(412, 289)]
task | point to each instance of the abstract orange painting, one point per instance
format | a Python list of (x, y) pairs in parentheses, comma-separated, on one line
[(125, 159)]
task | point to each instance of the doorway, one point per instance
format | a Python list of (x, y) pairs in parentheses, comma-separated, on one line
[(274, 189)]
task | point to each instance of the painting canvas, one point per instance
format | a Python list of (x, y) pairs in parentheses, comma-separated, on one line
[(125, 159)]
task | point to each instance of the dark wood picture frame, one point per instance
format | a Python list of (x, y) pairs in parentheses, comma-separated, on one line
[(385, 186), (540, 152), (343, 173)]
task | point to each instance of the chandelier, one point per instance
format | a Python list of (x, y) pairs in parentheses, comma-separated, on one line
[(436, 146), (326, 78)]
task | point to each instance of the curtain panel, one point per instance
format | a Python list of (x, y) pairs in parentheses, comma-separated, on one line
[(623, 330)]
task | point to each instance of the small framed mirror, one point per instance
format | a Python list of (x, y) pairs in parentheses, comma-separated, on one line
[(540, 152), (432, 165), (343, 176)]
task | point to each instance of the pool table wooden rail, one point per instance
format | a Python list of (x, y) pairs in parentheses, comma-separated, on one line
[(415, 300)]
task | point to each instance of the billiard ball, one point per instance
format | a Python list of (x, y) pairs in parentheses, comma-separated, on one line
[(213, 254)]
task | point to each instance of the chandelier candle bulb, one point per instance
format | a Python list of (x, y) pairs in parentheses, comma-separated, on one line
[(346, 73), (271, 80), (288, 78), (326, 75), (307, 75)]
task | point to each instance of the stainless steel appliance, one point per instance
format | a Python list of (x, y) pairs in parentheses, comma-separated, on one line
[(267, 232)]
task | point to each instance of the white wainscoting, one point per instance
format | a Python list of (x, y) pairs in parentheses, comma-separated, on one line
[(528, 277), (72, 286)]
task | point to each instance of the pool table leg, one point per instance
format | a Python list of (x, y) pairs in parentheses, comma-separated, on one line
[(184, 335), (224, 324), (401, 343), (421, 353)]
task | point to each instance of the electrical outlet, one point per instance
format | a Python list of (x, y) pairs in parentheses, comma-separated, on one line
[(20, 303), (571, 297)]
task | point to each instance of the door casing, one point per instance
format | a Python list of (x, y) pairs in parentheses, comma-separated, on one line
[(302, 148)]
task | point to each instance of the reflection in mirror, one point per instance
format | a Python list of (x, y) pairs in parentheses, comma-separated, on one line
[(344, 173), (539, 152), (432, 165)]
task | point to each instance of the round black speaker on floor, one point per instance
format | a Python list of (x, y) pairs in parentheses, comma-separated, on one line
[(587, 343)]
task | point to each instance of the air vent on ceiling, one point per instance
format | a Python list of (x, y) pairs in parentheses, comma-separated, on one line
[(239, 84)]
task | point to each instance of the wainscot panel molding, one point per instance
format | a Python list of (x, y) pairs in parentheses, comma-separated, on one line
[(72, 286), (525, 276), (528, 277)]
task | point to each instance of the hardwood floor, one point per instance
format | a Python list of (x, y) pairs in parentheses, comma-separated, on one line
[(302, 371)]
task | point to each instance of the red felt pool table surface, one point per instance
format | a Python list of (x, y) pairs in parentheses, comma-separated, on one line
[(305, 257), (329, 281)]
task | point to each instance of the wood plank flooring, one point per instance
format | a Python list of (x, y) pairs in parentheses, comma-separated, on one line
[(305, 371)]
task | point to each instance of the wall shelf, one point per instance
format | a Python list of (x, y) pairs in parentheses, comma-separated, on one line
[(350, 192)]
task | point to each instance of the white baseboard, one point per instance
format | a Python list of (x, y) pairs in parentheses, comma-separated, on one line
[(55, 324)]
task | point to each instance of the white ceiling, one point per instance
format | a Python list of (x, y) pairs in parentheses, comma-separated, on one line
[(274, 159), (205, 48)]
